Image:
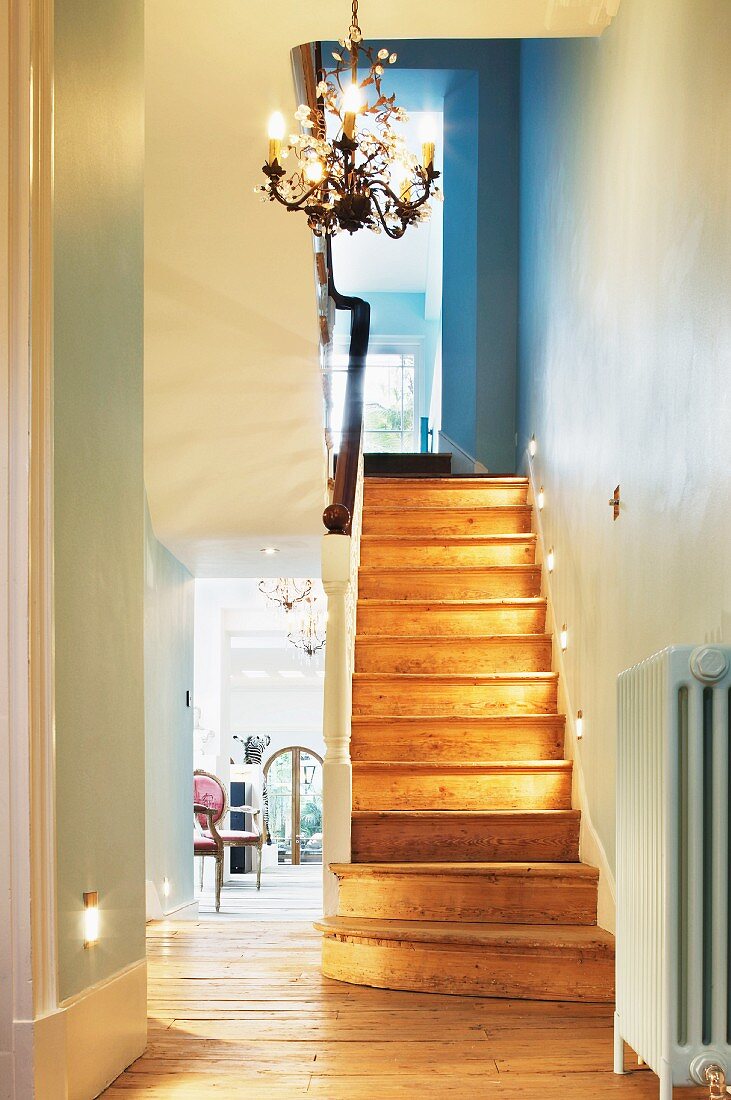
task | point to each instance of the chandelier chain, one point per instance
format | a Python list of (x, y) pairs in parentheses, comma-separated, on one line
[(354, 20)]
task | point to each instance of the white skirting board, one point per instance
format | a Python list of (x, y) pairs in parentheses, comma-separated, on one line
[(91, 1038), (154, 909), (462, 462), (591, 849)]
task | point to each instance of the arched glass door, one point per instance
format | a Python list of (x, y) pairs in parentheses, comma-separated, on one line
[(294, 789)]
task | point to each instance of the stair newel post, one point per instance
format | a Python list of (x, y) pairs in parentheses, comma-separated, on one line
[(337, 770)]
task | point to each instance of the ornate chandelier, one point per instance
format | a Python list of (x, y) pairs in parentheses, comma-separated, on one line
[(364, 177), (285, 592), (309, 637)]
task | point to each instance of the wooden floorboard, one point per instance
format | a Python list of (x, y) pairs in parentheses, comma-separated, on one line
[(241, 1010)]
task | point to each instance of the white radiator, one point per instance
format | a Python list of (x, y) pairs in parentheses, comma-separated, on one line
[(673, 882)]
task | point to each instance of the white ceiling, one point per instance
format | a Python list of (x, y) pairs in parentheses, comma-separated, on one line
[(233, 410)]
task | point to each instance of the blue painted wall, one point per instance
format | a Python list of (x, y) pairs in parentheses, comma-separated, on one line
[(477, 84)]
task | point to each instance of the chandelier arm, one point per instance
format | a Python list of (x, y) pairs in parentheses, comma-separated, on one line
[(296, 204), (394, 234)]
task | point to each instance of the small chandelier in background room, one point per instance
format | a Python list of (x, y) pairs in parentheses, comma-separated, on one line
[(364, 177), (309, 634), (285, 592)]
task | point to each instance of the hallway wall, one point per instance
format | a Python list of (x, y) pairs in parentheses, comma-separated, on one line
[(98, 494), (625, 342), (169, 597)]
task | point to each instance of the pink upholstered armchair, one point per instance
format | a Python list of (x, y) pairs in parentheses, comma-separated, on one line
[(210, 807)]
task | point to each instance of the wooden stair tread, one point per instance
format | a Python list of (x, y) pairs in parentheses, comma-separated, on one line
[(561, 938), (452, 540), (468, 513), (421, 766), (453, 639), (441, 870), (486, 604), (451, 482), (511, 569), (472, 720), (459, 677), (470, 815)]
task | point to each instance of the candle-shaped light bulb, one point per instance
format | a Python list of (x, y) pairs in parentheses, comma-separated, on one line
[(352, 103), (428, 143), (276, 134)]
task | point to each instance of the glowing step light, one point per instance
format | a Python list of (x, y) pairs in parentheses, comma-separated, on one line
[(579, 724), (91, 918), (564, 638), (550, 560), (532, 447), (540, 499)]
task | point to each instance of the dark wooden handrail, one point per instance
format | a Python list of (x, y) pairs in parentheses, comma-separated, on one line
[(338, 516)]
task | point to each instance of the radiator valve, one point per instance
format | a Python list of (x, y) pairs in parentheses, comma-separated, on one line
[(706, 1069), (716, 1081)]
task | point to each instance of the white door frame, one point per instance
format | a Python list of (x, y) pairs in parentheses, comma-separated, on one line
[(27, 776)]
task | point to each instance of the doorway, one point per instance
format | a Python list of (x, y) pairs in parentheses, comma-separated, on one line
[(294, 786)]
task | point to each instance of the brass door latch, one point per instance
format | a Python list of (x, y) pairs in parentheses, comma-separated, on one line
[(615, 502)]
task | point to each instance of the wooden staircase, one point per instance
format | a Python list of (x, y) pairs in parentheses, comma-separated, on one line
[(465, 875)]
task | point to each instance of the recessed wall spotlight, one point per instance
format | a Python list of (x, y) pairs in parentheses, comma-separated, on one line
[(532, 446), (269, 550), (579, 724), (91, 918), (540, 499), (550, 560), (564, 638)]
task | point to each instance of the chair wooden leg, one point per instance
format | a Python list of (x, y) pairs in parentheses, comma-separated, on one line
[(258, 870), (219, 881)]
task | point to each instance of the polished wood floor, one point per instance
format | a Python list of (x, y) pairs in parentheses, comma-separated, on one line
[(241, 1010)]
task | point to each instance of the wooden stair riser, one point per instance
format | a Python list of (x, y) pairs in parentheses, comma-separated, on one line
[(481, 838), (394, 787), (425, 552), (531, 653), (440, 493), (456, 740), (506, 582), (422, 619), (427, 695), (494, 896), (477, 971), (436, 521)]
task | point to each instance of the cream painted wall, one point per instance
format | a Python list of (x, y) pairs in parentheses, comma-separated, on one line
[(625, 354), (98, 489), (169, 596)]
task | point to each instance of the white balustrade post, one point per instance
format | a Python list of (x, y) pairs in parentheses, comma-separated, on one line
[(337, 771)]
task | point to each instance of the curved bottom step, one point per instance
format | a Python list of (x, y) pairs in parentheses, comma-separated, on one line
[(557, 963)]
